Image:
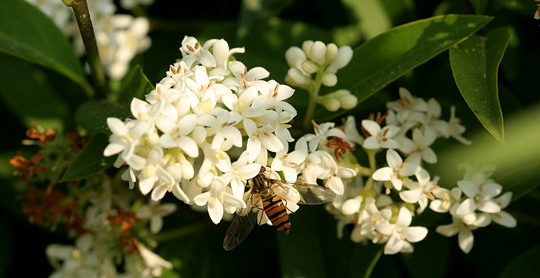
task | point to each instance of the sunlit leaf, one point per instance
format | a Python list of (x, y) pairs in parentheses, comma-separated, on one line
[(92, 115), (25, 32), (90, 159), (475, 64), (388, 56), (371, 16)]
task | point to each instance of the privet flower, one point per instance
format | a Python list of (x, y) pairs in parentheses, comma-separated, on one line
[(187, 137)]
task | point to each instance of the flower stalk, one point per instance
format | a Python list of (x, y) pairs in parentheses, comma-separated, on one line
[(313, 94), (97, 73)]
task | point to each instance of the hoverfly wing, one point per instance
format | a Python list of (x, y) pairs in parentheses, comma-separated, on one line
[(240, 228), (312, 194)]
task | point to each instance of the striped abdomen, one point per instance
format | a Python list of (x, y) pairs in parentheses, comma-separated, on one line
[(277, 212)]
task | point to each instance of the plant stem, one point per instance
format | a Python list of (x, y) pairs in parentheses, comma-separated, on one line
[(97, 73), (373, 264), (313, 93)]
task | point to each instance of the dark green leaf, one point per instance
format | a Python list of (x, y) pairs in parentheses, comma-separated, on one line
[(475, 63), (27, 33), (479, 6), (92, 115), (26, 91), (526, 265), (90, 160), (134, 85), (388, 56)]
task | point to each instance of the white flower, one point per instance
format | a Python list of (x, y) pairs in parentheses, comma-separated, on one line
[(456, 129), (418, 148), (124, 139), (351, 132), (290, 163), (396, 170), (419, 192), (155, 212), (241, 171), (465, 236), (504, 218), (322, 132), (408, 108), (175, 135), (479, 197), (447, 200), (216, 198), (380, 138), (154, 262), (400, 234)]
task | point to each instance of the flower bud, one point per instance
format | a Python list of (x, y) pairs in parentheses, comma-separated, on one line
[(343, 58), (199, 134), (306, 47), (153, 139), (351, 206), (309, 66), (331, 52), (318, 52), (348, 101), (295, 56), (297, 78), (182, 106), (331, 104), (469, 218), (329, 80)]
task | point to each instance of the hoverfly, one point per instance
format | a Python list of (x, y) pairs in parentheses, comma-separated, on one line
[(262, 187)]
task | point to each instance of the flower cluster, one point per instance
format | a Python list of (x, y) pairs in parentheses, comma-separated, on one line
[(324, 61), (188, 136), (109, 235), (473, 204), (408, 129), (108, 226), (119, 36)]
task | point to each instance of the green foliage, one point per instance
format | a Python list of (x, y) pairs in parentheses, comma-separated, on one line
[(475, 64), (27, 33), (90, 159), (92, 115), (37, 58), (32, 99), (134, 85)]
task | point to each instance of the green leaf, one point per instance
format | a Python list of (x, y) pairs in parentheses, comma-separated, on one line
[(134, 85), (475, 63), (92, 115), (27, 33), (371, 16), (479, 6), (525, 265), (25, 90), (388, 56), (90, 160)]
